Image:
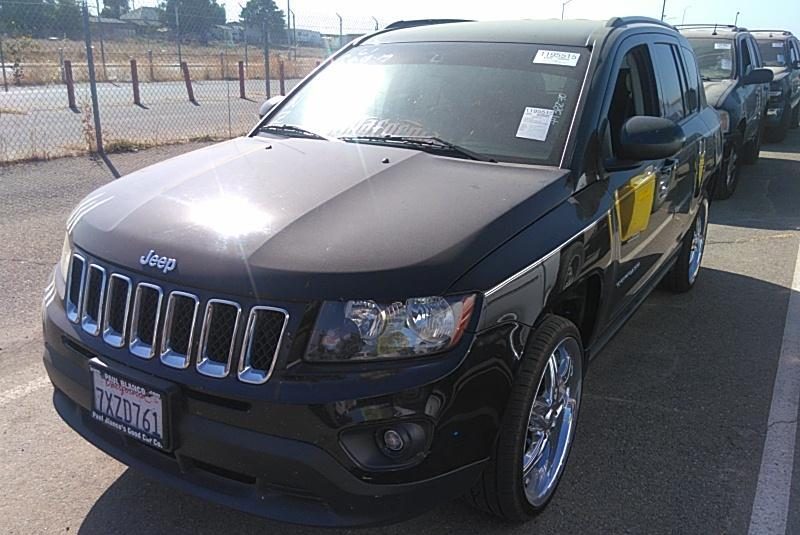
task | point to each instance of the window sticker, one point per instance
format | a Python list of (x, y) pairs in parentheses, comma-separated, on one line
[(722, 46), (725, 63), (780, 58), (777, 45), (535, 123), (556, 57)]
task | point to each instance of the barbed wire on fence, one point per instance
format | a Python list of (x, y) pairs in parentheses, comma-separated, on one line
[(165, 74)]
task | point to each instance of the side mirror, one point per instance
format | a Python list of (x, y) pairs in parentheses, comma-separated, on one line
[(269, 104), (650, 138), (758, 76)]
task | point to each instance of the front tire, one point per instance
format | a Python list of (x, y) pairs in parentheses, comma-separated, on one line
[(779, 133), (538, 426), (795, 117), (683, 275), (728, 177), (752, 150)]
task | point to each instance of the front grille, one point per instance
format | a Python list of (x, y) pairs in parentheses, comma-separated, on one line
[(93, 293), (123, 311), (146, 311), (115, 320), (179, 323), (264, 332), (218, 337), (77, 273)]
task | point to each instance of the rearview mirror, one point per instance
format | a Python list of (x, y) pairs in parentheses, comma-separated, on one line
[(758, 76), (650, 138), (269, 104)]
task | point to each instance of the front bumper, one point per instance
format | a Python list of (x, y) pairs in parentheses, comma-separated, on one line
[(287, 460)]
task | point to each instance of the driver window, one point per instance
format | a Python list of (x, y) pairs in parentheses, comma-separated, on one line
[(747, 63), (633, 92)]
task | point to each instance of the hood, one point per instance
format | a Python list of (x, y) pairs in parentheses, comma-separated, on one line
[(299, 219), (778, 72), (717, 91)]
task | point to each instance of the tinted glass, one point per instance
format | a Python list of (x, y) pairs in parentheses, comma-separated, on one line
[(747, 62), (669, 82), (692, 79), (511, 102), (773, 52), (714, 57)]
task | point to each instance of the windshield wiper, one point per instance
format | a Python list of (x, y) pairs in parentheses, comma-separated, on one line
[(430, 143), (291, 130)]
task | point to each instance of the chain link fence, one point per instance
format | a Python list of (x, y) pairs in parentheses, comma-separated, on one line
[(168, 74)]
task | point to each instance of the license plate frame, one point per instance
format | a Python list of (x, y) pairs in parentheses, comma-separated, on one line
[(113, 412)]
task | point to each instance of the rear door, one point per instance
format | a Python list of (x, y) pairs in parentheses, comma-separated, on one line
[(751, 94)]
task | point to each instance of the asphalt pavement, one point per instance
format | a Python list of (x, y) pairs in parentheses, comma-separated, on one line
[(670, 438)]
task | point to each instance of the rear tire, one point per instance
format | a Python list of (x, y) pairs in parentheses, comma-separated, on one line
[(683, 275), (728, 176), (535, 434), (796, 116)]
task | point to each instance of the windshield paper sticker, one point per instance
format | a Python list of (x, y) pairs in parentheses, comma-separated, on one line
[(777, 45), (535, 123), (722, 46), (555, 57), (725, 64)]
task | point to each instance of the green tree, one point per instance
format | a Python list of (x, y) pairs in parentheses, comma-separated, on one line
[(196, 17), (114, 8), (255, 12), (41, 18)]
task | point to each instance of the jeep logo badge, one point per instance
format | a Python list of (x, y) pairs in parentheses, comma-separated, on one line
[(159, 262)]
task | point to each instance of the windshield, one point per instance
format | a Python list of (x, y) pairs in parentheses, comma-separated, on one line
[(714, 57), (773, 53), (507, 102)]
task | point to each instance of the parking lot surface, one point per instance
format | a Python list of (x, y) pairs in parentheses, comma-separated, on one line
[(673, 423)]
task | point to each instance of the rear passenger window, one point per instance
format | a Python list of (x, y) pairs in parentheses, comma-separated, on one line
[(693, 89), (669, 81)]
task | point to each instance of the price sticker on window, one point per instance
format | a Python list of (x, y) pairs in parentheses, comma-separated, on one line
[(557, 57), (535, 123)]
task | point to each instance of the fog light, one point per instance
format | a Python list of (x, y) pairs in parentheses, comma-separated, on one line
[(393, 441)]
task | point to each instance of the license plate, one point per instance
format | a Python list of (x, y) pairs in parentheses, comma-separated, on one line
[(129, 407)]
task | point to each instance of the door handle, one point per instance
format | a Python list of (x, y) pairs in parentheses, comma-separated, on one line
[(666, 176)]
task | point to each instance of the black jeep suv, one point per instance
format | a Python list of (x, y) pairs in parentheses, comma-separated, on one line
[(737, 86), (388, 293), (780, 51)]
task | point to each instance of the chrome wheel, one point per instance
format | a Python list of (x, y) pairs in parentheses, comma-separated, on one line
[(552, 419), (698, 242)]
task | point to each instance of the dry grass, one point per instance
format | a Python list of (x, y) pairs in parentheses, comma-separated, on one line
[(40, 61)]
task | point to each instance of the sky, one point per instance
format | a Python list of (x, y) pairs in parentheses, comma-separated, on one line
[(320, 14)]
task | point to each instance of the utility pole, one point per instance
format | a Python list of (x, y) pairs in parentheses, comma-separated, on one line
[(288, 22), (100, 35), (663, 9), (178, 31)]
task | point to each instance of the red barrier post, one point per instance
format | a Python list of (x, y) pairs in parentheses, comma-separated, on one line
[(241, 79), (70, 84), (135, 82), (282, 76), (188, 80)]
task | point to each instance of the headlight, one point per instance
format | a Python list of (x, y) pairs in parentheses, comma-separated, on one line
[(724, 120), (66, 255), (365, 330)]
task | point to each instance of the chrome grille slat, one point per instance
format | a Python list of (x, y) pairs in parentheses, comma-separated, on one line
[(218, 337), (92, 299), (179, 327), (144, 320), (74, 289), (262, 341), (118, 302)]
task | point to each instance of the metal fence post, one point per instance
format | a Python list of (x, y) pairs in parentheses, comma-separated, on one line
[(282, 76), (222, 66), (70, 85), (98, 132), (3, 64), (265, 32), (150, 62), (100, 35), (187, 79)]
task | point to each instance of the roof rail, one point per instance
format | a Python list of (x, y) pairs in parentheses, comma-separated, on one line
[(715, 26), (782, 32), (616, 22), (397, 25)]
